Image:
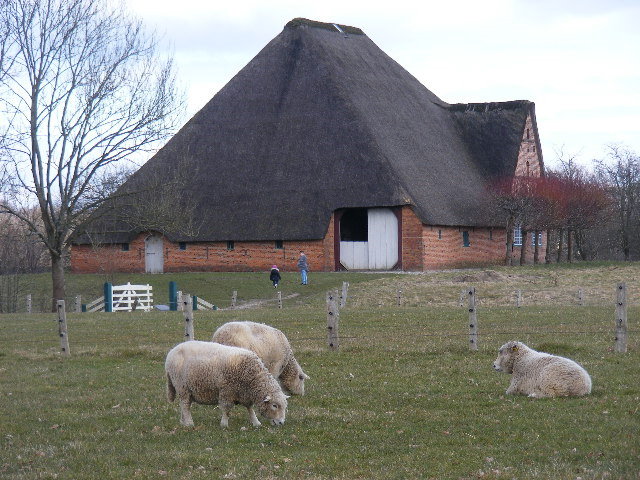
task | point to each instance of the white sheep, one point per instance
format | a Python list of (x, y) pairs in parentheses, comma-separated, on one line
[(272, 347), (538, 374), (209, 373)]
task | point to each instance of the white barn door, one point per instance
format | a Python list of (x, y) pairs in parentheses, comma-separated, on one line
[(380, 251), (383, 239), (153, 255)]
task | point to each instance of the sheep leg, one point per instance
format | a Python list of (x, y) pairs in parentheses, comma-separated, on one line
[(185, 411), (225, 408), (252, 416)]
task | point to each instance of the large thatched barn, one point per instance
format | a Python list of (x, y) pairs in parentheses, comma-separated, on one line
[(323, 143)]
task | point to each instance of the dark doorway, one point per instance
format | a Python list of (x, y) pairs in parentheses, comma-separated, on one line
[(354, 225)]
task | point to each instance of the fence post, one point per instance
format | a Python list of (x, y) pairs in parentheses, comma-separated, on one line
[(187, 311), (463, 293), (194, 303), (580, 297), (78, 305), (279, 299), (62, 328), (343, 297), (518, 298), (173, 296), (621, 318), (333, 320), (29, 303), (234, 298), (179, 300), (399, 297), (108, 297), (473, 320)]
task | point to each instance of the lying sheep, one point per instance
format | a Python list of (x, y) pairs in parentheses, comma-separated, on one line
[(538, 374), (210, 373), (272, 347)]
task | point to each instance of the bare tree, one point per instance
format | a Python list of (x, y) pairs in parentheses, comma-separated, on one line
[(81, 89), (621, 173)]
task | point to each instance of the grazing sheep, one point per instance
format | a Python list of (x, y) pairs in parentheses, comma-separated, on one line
[(538, 374), (210, 373), (272, 347)]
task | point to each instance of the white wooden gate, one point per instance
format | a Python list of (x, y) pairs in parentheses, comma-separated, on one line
[(127, 298), (153, 257), (380, 251)]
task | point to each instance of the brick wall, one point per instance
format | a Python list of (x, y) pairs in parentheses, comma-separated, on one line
[(423, 247), (205, 256), (412, 248), (529, 164)]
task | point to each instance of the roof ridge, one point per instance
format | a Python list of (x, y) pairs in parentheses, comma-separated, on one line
[(343, 29)]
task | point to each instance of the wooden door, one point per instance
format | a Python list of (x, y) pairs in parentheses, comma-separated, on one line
[(153, 255)]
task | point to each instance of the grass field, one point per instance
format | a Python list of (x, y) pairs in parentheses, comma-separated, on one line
[(403, 398)]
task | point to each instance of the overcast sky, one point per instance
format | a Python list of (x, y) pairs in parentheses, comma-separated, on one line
[(578, 60)]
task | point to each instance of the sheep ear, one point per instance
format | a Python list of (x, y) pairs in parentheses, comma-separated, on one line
[(306, 377), (267, 399)]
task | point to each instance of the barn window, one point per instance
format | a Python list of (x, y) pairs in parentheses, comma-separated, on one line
[(279, 245), (490, 234), (124, 247), (231, 245), (182, 245), (439, 234), (517, 235), (354, 225), (538, 237), (465, 239)]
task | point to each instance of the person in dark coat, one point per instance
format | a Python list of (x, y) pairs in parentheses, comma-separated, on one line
[(274, 276), (303, 266)]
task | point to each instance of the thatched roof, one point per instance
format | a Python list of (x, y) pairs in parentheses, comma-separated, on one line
[(323, 119)]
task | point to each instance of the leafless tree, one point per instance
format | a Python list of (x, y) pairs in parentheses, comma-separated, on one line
[(620, 171), (81, 89)]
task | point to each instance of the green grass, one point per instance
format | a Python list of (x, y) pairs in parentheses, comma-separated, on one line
[(403, 398)]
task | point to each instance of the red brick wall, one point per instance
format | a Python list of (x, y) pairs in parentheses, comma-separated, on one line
[(412, 241), (529, 164), (206, 256), (423, 247), (443, 247)]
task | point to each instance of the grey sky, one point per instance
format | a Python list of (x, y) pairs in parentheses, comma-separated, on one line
[(579, 61)]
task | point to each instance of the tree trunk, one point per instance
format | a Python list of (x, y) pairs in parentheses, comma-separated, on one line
[(536, 248), (547, 250), (507, 255), (57, 276), (569, 246), (523, 248), (560, 240)]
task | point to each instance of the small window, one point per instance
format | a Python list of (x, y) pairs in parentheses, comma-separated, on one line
[(490, 234), (125, 247), (517, 235), (231, 245), (465, 239), (439, 234), (538, 237), (279, 245)]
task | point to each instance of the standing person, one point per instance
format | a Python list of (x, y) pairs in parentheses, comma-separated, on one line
[(274, 276), (303, 266)]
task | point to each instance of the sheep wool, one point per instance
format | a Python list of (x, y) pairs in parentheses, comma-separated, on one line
[(539, 374), (209, 373), (271, 345)]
